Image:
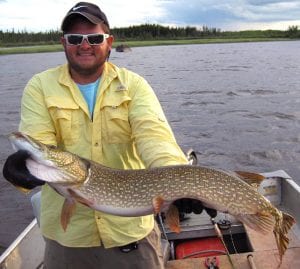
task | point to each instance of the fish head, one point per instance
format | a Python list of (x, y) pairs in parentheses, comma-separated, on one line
[(49, 163)]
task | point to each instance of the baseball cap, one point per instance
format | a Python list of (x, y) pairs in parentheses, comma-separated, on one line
[(88, 10)]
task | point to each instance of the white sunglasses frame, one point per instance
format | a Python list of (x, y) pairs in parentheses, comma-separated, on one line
[(85, 37)]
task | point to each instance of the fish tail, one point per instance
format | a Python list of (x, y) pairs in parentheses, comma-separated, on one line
[(283, 225)]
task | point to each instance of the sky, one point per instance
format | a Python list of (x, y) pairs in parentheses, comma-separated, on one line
[(231, 15)]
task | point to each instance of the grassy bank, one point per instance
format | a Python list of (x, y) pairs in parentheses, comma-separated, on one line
[(58, 47), (30, 49)]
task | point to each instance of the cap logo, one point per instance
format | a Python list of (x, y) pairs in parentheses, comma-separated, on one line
[(75, 8)]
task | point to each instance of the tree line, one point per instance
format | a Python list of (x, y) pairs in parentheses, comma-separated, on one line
[(145, 32)]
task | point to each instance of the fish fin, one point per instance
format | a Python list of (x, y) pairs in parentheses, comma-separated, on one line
[(157, 203), (172, 219), (280, 232), (258, 222), (80, 199), (253, 179), (67, 211)]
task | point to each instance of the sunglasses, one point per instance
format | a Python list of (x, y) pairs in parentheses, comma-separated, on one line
[(92, 39)]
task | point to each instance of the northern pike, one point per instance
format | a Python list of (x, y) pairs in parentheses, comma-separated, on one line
[(147, 191)]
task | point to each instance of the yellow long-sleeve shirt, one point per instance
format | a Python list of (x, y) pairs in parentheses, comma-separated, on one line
[(128, 131)]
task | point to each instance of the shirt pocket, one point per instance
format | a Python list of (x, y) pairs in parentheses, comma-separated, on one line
[(115, 122), (66, 117)]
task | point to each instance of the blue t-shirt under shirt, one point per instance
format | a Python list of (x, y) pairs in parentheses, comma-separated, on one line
[(89, 92)]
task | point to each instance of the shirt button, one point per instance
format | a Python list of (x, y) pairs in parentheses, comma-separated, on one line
[(96, 144)]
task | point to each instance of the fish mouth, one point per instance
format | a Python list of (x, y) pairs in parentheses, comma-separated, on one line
[(41, 162), (37, 151), (36, 163)]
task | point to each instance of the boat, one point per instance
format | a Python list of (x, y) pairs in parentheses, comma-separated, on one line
[(222, 242), (123, 48)]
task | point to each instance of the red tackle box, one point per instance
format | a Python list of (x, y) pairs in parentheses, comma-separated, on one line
[(205, 246)]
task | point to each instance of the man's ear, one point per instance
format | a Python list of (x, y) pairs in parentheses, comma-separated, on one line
[(110, 41), (63, 41)]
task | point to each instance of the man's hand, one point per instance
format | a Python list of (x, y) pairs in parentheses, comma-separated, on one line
[(187, 206), (16, 172)]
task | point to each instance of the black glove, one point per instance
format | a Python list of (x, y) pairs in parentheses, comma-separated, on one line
[(187, 206), (16, 172)]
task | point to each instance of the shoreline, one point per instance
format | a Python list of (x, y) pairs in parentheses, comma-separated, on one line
[(143, 43)]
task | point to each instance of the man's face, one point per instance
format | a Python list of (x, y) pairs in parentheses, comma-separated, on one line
[(86, 59)]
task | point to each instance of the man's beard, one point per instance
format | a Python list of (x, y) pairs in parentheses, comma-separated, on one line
[(85, 71)]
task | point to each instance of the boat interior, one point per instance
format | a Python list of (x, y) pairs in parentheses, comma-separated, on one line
[(199, 246), (222, 242)]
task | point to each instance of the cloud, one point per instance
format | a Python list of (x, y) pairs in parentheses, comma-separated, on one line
[(267, 2), (220, 14), (193, 12), (36, 15), (45, 15), (271, 11), (126, 13), (32, 15)]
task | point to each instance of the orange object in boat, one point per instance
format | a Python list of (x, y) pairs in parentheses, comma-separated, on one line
[(204, 247)]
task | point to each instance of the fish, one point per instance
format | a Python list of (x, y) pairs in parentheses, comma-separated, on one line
[(140, 192)]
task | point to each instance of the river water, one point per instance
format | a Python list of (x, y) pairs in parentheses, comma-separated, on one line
[(237, 105)]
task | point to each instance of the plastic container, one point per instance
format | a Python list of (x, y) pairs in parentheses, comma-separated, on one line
[(196, 248)]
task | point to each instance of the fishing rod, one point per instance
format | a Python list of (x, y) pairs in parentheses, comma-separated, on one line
[(220, 235)]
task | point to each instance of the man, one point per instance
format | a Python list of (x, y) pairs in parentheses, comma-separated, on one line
[(104, 113)]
